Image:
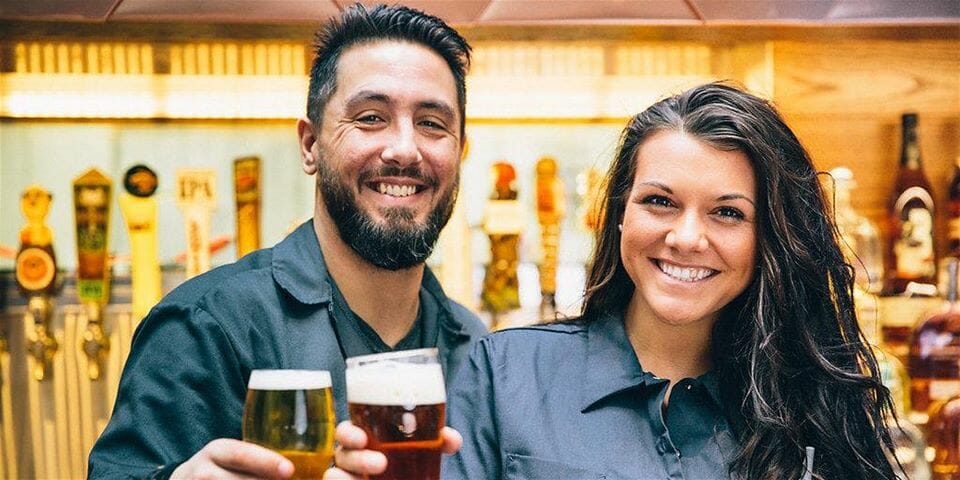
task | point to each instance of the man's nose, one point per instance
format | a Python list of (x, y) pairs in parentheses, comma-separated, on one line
[(402, 148), (688, 234)]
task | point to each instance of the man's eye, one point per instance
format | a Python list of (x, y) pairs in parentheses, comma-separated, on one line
[(370, 119), (432, 124), (657, 200)]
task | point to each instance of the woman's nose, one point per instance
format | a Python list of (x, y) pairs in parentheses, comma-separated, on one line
[(688, 234)]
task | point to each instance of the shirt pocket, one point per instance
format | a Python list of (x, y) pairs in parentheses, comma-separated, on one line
[(522, 467)]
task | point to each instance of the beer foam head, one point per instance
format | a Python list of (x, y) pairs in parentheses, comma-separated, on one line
[(395, 383), (289, 380)]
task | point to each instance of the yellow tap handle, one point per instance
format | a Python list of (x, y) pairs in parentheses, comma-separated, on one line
[(246, 181), (139, 208)]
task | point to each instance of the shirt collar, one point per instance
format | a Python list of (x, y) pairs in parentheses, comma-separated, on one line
[(612, 365), (453, 331), (298, 266)]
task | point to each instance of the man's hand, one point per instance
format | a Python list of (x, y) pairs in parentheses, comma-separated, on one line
[(226, 458), (354, 463)]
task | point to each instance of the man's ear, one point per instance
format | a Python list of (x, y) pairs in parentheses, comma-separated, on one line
[(308, 139)]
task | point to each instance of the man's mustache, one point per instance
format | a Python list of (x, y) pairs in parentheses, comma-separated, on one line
[(409, 171)]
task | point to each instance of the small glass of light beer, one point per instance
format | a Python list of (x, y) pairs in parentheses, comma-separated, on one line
[(398, 399), (291, 412)]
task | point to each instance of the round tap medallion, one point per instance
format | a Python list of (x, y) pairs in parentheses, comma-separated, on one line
[(140, 181)]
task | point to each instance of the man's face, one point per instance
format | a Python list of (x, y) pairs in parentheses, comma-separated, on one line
[(388, 151)]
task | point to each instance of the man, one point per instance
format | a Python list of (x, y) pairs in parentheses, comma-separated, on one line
[(383, 135)]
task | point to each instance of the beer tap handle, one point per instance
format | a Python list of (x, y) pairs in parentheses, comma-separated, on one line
[(96, 344), (43, 347)]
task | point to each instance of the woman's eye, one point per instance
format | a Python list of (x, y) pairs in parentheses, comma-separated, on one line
[(657, 200), (731, 213)]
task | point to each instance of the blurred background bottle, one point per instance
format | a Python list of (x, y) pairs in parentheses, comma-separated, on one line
[(934, 362), (944, 439), (909, 444), (953, 219), (911, 262), (861, 238)]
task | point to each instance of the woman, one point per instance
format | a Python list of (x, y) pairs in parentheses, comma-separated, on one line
[(718, 337)]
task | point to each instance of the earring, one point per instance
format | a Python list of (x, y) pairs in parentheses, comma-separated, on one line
[(620, 227)]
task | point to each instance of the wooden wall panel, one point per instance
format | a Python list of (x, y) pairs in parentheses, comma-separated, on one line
[(844, 100)]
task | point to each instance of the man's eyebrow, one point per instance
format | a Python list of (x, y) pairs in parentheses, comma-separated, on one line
[(442, 107), (366, 96)]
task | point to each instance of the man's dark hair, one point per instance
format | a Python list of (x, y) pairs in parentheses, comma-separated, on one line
[(358, 25)]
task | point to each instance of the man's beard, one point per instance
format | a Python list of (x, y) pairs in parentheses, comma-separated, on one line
[(398, 242)]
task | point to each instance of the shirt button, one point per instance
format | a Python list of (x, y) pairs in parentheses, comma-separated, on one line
[(689, 386), (661, 448)]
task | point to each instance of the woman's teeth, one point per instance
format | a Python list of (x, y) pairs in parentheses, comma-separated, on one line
[(684, 274)]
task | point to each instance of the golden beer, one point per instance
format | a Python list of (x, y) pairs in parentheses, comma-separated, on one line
[(291, 412), (398, 399)]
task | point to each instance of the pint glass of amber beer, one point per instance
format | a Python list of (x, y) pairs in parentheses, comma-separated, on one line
[(398, 399), (291, 412)]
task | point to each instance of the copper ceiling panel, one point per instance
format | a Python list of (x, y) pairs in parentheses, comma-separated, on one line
[(933, 10), (601, 11), (827, 11), (451, 11), (763, 10), (267, 11), (77, 10)]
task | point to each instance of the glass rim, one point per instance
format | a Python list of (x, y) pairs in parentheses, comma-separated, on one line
[(289, 377), (397, 354)]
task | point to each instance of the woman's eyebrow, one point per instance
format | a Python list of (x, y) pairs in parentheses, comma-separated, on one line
[(736, 196)]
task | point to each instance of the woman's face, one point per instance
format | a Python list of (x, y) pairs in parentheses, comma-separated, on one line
[(689, 229)]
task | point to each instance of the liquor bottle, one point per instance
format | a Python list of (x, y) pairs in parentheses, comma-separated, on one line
[(909, 445), (860, 237), (934, 360), (910, 253), (953, 219), (944, 438)]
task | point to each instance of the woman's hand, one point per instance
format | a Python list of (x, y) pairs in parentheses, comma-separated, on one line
[(355, 463)]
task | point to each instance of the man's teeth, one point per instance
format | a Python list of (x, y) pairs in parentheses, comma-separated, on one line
[(397, 190), (685, 274)]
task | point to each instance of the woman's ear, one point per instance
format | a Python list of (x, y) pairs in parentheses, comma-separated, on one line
[(308, 139)]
